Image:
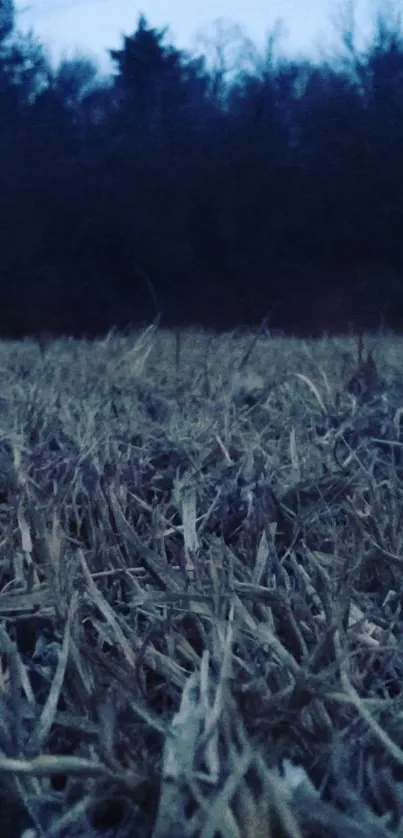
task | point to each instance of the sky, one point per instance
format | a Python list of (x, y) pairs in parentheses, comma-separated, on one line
[(94, 26)]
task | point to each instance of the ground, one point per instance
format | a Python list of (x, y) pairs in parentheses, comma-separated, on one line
[(200, 586)]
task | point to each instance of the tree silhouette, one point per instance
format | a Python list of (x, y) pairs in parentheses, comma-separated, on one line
[(218, 189), (7, 18)]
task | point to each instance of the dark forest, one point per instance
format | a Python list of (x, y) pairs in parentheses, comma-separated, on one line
[(199, 192)]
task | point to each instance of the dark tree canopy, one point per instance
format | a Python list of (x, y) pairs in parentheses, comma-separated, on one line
[(7, 17), (211, 193)]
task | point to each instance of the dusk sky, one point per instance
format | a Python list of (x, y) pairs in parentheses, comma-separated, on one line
[(95, 25)]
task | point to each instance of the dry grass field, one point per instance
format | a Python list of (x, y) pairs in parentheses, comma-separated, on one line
[(201, 553)]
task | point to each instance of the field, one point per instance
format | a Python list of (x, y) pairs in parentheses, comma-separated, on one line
[(201, 552)]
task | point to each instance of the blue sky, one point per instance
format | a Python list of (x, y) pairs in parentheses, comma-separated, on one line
[(94, 26)]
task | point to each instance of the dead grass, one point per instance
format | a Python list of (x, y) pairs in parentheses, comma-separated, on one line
[(200, 587)]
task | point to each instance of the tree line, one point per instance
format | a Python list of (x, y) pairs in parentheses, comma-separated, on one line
[(198, 191)]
